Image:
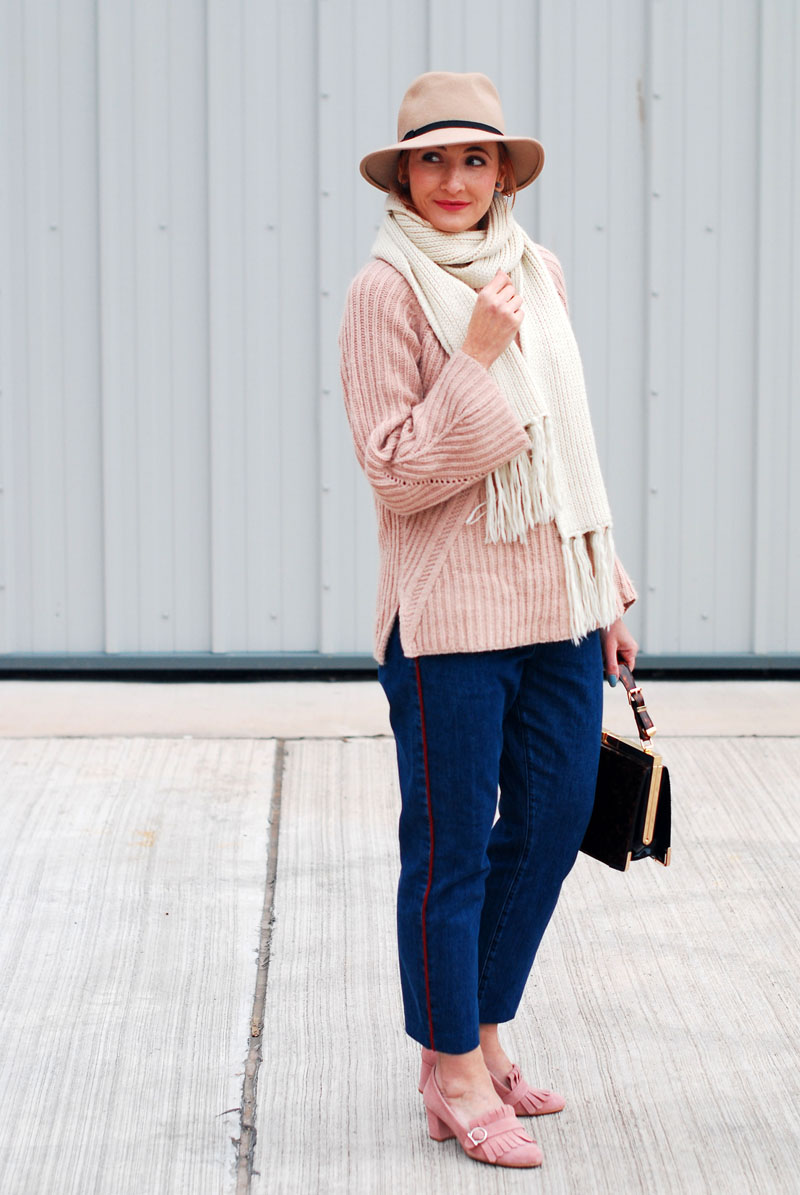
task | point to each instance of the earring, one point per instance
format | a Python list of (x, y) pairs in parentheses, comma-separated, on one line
[(498, 186)]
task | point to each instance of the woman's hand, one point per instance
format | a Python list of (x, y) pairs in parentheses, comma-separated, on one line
[(618, 644), (495, 321)]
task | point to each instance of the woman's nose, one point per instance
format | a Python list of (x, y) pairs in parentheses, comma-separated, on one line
[(454, 182)]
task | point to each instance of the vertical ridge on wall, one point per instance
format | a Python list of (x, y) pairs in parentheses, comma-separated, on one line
[(45, 315), (83, 496), (15, 500), (189, 382), (153, 307), (336, 100), (702, 303), (228, 430), (697, 309), (736, 236), (662, 582), (51, 598), (263, 340), (776, 580), (298, 281), (121, 440), (266, 327), (621, 406), (556, 130), (153, 267)]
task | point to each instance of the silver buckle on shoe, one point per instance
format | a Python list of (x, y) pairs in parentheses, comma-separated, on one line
[(478, 1129)]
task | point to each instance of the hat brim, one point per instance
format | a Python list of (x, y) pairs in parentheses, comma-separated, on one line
[(527, 155)]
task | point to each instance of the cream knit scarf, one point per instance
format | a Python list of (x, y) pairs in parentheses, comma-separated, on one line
[(541, 378)]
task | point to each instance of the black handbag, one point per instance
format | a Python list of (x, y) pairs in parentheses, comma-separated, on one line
[(632, 811)]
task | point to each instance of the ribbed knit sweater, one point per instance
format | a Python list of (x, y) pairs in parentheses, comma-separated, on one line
[(428, 428)]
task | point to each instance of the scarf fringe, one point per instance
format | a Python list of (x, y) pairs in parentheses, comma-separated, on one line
[(589, 563), (523, 492)]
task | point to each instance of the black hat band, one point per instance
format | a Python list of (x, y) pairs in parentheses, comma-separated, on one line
[(452, 124)]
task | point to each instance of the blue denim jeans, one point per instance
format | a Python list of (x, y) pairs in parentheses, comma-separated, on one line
[(477, 890)]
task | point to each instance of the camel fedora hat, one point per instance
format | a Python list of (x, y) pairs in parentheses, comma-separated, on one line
[(443, 108)]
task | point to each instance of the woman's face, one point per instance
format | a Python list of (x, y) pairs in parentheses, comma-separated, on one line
[(452, 186)]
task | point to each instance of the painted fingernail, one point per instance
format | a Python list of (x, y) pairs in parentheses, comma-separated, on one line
[(612, 680)]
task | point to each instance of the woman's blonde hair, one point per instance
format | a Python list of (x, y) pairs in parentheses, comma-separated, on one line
[(504, 162)]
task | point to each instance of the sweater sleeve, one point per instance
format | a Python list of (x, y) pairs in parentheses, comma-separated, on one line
[(417, 447), (626, 591)]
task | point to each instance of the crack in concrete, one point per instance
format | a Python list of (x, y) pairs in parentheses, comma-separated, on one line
[(247, 1138)]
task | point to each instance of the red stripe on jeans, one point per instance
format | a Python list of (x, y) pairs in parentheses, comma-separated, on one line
[(430, 855)]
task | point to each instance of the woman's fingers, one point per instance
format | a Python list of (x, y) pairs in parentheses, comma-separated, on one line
[(609, 643), (500, 279), (618, 644), (495, 320), (502, 286)]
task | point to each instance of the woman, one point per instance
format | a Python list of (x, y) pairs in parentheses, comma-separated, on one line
[(500, 597)]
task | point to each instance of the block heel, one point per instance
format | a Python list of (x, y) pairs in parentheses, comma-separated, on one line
[(438, 1130)]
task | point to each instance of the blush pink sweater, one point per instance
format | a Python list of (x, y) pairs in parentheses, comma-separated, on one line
[(428, 428)]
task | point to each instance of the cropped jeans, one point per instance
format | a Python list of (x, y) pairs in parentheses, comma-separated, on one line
[(479, 879)]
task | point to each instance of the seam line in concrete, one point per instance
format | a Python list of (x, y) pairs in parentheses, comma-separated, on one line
[(247, 1137)]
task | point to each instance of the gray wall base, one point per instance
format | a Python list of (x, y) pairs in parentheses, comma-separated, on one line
[(317, 662)]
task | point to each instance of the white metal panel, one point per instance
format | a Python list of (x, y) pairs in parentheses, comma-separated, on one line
[(16, 630), (266, 174), (189, 323), (182, 213), (263, 336), (691, 485), (151, 312), (228, 491), (665, 235), (45, 325), (295, 402), (618, 398), (703, 257), (52, 600), (82, 447), (736, 234), (117, 184), (777, 490), (154, 325)]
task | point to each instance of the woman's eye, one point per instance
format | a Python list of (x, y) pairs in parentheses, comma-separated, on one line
[(476, 161), (430, 157)]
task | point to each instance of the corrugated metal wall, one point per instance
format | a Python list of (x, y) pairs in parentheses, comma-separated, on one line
[(180, 214)]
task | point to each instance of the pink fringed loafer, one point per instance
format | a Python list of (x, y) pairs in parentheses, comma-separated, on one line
[(524, 1099), (514, 1091), (495, 1138)]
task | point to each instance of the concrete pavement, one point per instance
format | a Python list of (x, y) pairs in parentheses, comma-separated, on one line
[(336, 709), (181, 861)]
